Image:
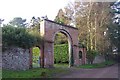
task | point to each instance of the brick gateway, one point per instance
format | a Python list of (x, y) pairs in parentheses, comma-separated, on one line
[(48, 30)]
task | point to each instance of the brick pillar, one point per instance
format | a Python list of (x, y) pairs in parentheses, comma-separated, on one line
[(30, 58), (76, 55), (83, 55), (42, 56), (48, 54)]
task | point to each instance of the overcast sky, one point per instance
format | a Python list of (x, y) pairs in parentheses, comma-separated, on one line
[(28, 8)]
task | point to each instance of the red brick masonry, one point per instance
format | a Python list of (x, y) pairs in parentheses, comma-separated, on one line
[(48, 30)]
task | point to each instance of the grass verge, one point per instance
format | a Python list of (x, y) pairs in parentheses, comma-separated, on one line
[(63, 65), (33, 73), (100, 65)]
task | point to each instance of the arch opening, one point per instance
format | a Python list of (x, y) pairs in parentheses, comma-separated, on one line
[(36, 57), (62, 49), (80, 55)]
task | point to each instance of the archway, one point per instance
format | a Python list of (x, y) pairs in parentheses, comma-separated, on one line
[(80, 54), (63, 52), (48, 30), (36, 57)]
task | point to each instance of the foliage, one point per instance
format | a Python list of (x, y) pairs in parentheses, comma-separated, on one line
[(34, 29), (91, 19), (18, 22), (114, 35), (114, 29), (91, 55), (100, 65), (61, 53), (36, 51), (35, 23), (60, 39), (16, 36), (36, 54), (1, 20), (116, 11), (112, 57), (61, 18)]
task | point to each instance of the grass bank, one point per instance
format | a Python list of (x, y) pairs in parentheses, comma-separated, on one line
[(34, 73), (62, 65), (99, 65)]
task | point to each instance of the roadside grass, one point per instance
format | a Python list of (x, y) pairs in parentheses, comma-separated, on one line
[(35, 65), (59, 69), (63, 65), (0, 74), (97, 65), (36, 72)]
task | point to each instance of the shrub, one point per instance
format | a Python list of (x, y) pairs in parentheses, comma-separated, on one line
[(61, 53), (19, 37), (112, 57), (91, 55)]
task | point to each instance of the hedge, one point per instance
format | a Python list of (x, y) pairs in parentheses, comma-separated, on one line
[(18, 37), (91, 55), (61, 53), (36, 54)]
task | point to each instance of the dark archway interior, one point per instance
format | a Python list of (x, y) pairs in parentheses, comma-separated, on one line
[(80, 54)]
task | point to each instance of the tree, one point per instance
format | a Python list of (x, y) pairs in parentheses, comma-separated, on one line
[(114, 29), (60, 38), (18, 22), (61, 18), (1, 20), (34, 26), (91, 19), (35, 22), (116, 8), (18, 37)]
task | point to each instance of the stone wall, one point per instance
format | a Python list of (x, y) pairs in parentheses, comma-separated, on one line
[(15, 59)]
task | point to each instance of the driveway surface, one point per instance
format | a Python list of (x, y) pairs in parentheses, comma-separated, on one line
[(108, 72)]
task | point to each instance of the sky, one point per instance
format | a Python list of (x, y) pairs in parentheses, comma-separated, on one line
[(29, 8)]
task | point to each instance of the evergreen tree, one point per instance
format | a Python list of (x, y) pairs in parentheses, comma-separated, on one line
[(115, 29), (1, 20), (116, 8), (18, 22)]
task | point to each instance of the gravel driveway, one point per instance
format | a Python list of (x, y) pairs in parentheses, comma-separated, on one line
[(108, 72)]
